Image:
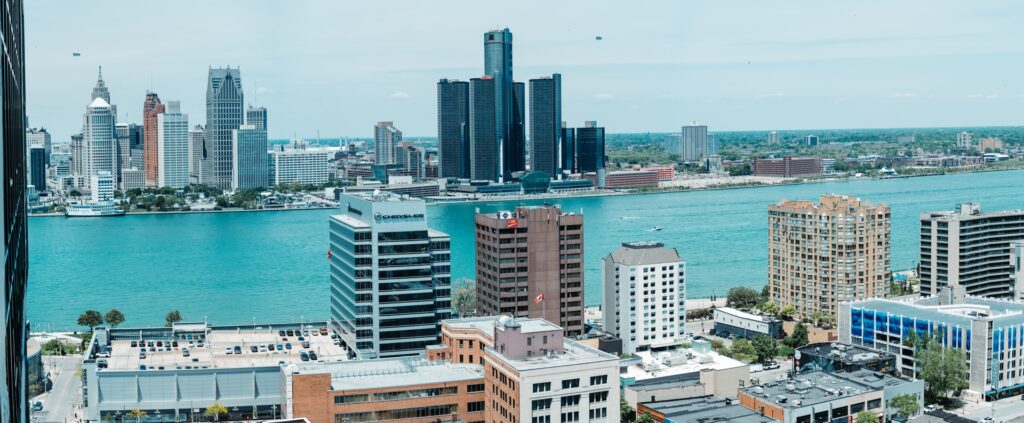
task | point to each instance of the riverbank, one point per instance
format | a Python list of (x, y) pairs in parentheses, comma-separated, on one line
[(226, 210)]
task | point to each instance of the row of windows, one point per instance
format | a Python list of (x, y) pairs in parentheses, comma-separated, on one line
[(399, 414)]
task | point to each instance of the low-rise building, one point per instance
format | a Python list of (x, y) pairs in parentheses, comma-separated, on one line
[(840, 357), (701, 410), (787, 167), (679, 374), (730, 321), (133, 178), (625, 179)]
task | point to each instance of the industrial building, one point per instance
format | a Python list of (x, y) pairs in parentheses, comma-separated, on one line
[(730, 321)]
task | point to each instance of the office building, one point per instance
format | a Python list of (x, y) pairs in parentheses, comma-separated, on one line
[(385, 138), (298, 165), (1017, 269), (964, 140), (681, 373), (839, 357), (730, 322), (453, 128), (546, 125), (224, 114), (693, 143), (79, 162), (590, 149), (787, 167), (13, 369), (773, 138), (99, 143), (410, 159), (987, 330), (133, 178), (484, 148), (39, 136), (568, 149), (172, 147), (529, 263), (102, 187), (820, 255), (249, 148), (509, 104), (196, 154), (625, 179), (37, 167), (151, 108), (129, 146), (644, 300), (811, 140), (257, 117), (971, 248), (390, 275), (830, 397)]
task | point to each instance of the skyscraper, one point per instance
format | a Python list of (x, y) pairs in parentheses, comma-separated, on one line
[(812, 140), (13, 369), (820, 255), (498, 65), (249, 147), (568, 149), (150, 109), (453, 128), (546, 125), (256, 116), (172, 147), (129, 147), (644, 295), (969, 248), (411, 158), (773, 138), (385, 138), (99, 140), (484, 149), (224, 114), (390, 275), (37, 167), (101, 91), (694, 143), (196, 154), (40, 137), (529, 264), (590, 153)]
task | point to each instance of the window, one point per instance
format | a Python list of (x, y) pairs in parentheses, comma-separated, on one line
[(351, 399), (875, 403), (479, 387), (571, 416), (570, 383), (599, 380), (599, 413), (541, 387), (541, 404), (475, 407), (598, 396), (570, 400), (542, 419)]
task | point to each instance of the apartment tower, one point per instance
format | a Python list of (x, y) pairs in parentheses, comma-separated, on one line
[(385, 138), (529, 263), (820, 255), (644, 295)]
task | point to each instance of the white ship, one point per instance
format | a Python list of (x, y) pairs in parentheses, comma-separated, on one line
[(93, 210)]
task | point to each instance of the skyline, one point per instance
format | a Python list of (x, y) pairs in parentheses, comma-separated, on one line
[(802, 65)]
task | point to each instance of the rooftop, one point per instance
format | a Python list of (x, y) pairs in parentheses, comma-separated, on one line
[(389, 372), (573, 354), (486, 324), (676, 363), (644, 252), (744, 315), (820, 387), (848, 353), (706, 409), (971, 308)]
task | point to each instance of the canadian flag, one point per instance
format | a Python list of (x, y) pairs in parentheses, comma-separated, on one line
[(538, 299)]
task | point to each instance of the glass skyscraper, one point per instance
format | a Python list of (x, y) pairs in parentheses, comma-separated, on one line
[(249, 148), (590, 148), (546, 125), (453, 128), (172, 147), (508, 102), (224, 114), (483, 139)]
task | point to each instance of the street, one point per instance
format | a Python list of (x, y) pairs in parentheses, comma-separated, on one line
[(1004, 410), (59, 404)]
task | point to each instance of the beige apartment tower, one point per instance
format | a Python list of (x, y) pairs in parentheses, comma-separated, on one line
[(820, 255), (529, 263)]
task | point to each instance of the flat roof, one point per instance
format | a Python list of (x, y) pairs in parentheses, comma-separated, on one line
[(573, 353), (350, 221), (486, 324), (744, 315), (389, 372), (846, 352), (213, 353), (972, 308), (706, 409), (677, 362), (820, 387)]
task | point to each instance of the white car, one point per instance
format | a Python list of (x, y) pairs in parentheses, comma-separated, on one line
[(227, 350)]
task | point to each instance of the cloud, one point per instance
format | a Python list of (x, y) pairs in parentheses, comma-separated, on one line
[(398, 95), (983, 96), (263, 90), (603, 96), (903, 95)]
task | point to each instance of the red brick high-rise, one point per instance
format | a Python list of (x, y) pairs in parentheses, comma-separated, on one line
[(150, 155)]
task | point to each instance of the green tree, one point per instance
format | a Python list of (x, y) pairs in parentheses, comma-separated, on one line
[(798, 338), (766, 292), (464, 297), (765, 348), (645, 418), (90, 318), (769, 308), (943, 370), (906, 405), (866, 417), (114, 317), (743, 350), (136, 414), (215, 410), (742, 297), (626, 413), (787, 311), (172, 318)]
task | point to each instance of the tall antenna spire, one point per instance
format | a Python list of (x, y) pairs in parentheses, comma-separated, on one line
[(101, 73)]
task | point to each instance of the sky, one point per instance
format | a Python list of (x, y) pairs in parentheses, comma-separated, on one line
[(338, 67)]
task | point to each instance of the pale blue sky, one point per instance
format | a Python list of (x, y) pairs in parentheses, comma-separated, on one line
[(736, 65)]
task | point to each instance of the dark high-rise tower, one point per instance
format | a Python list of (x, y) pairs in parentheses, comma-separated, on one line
[(483, 137), (13, 372), (224, 114), (590, 154), (498, 65), (453, 128), (546, 125), (150, 153), (568, 149)]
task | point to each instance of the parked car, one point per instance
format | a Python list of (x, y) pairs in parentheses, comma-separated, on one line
[(238, 349), (228, 350), (280, 347), (135, 344), (771, 366), (323, 331), (280, 333), (291, 333), (304, 356), (263, 348), (185, 353), (174, 344), (142, 367), (254, 349), (270, 347), (288, 345), (312, 355), (712, 331), (37, 406), (305, 344), (160, 343), (301, 338)]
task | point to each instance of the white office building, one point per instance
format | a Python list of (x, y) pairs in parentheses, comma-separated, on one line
[(102, 184), (196, 144), (133, 178), (390, 275), (98, 148), (249, 148), (644, 295), (299, 165), (172, 147)]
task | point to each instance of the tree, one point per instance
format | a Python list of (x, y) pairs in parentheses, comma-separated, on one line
[(742, 297), (798, 338), (743, 350), (114, 317), (136, 414), (866, 417), (172, 317), (768, 307), (645, 418), (765, 292), (215, 410), (787, 311), (90, 318), (625, 411), (943, 370), (906, 405), (464, 297), (765, 348)]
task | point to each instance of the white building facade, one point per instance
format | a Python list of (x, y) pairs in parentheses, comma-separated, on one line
[(249, 148), (99, 145), (299, 165), (173, 147), (644, 295)]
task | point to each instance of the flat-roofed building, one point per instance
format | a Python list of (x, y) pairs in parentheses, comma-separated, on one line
[(644, 295), (738, 323), (701, 410), (682, 373), (842, 357), (787, 167), (971, 248), (625, 179)]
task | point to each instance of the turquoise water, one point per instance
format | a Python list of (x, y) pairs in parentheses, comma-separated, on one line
[(232, 267)]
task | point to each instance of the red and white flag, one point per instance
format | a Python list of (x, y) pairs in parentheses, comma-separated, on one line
[(539, 298)]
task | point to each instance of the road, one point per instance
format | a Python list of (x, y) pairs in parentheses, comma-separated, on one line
[(1004, 410), (59, 404)]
